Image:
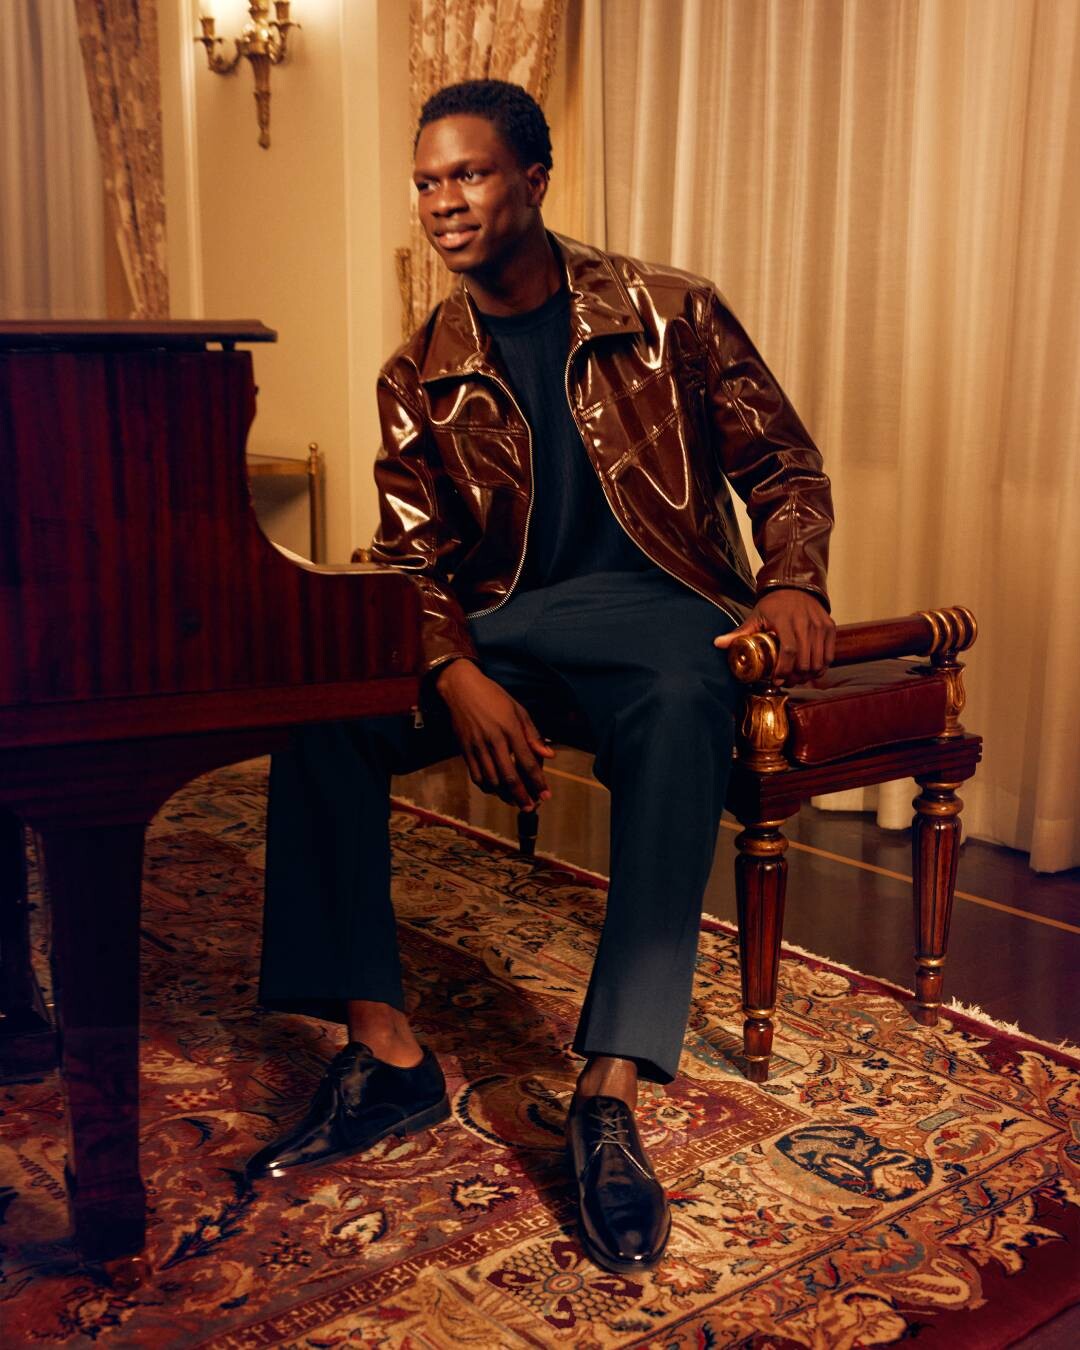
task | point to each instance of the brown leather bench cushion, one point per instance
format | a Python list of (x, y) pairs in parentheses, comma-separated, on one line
[(856, 708)]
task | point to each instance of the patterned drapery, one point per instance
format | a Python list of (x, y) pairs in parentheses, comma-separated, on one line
[(120, 54), (453, 40)]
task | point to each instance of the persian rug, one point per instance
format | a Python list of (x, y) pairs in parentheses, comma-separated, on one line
[(888, 1183)]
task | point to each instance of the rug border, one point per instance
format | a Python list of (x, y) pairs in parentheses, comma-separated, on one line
[(964, 1020)]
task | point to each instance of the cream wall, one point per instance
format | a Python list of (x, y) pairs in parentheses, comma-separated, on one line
[(301, 235)]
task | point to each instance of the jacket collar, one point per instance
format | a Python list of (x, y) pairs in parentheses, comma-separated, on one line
[(599, 305)]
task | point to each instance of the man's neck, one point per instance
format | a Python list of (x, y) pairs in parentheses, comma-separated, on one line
[(522, 283)]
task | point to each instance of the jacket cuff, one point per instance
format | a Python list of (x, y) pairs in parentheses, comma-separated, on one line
[(818, 592), (448, 642), (436, 663)]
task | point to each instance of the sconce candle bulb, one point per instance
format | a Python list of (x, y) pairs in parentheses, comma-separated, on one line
[(263, 43)]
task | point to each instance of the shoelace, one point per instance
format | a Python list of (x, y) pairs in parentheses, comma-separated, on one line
[(614, 1129), (343, 1063)]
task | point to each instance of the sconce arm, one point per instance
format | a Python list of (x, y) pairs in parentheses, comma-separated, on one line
[(264, 43), (219, 64)]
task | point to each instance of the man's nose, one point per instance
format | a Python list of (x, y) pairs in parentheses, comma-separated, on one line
[(446, 199)]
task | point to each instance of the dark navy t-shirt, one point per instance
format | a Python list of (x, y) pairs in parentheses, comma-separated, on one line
[(573, 531)]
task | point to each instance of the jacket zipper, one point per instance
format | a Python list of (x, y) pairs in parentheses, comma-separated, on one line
[(603, 488), (482, 613)]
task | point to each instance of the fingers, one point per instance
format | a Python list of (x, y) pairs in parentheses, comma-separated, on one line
[(482, 768), (788, 656), (801, 652), (537, 744), (817, 652), (504, 764), (794, 645), (498, 739), (814, 647), (830, 643), (525, 781), (512, 786), (526, 747), (491, 767), (805, 633), (754, 623)]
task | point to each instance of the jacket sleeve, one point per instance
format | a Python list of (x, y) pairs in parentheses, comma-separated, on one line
[(768, 458), (422, 523)]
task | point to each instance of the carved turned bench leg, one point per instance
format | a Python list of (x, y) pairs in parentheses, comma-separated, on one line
[(935, 844), (760, 884)]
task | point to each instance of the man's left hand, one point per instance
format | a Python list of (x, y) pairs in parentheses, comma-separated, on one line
[(806, 632)]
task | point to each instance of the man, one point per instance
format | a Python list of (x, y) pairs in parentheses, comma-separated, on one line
[(556, 439)]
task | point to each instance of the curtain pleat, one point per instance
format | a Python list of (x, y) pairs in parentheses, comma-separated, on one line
[(887, 193)]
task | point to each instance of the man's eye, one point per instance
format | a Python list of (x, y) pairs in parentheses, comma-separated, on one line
[(470, 176), (423, 187)]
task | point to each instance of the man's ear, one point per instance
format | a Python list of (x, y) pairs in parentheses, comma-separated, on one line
[(537, 178)]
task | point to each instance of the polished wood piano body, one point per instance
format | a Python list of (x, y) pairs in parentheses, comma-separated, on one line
[(148, 632)]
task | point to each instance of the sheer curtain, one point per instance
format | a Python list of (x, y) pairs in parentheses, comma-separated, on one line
[(888, 194), (52, 254)]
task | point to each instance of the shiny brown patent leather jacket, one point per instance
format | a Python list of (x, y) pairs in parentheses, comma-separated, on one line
[(670, 398)]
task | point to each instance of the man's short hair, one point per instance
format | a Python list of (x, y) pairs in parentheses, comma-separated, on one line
[(515, 114)]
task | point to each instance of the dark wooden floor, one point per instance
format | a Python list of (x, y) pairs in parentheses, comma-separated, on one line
[(1014, 948)]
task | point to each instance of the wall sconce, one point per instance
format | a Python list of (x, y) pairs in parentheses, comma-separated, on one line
[(264, 42)]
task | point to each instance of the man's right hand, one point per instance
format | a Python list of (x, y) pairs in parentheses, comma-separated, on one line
[(498, 738)]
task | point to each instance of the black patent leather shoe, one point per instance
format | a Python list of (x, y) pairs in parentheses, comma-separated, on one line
[(625, 1220), (360, 1100)]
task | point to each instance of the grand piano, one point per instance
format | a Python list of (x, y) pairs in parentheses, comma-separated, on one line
[(148, 633)]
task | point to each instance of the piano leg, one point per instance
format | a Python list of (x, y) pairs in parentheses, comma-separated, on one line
[(27, 1042), (94, 877)]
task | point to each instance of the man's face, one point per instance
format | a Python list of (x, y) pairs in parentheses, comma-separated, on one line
[(477, 204)]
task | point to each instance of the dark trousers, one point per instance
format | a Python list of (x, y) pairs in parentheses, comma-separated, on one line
[(631, 651)]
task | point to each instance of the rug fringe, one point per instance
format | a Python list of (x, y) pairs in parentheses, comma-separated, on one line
[(971, 1011), (848, 970), (974, 1013)]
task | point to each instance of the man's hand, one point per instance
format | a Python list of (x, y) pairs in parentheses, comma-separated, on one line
[(498, 738), (807, 634)]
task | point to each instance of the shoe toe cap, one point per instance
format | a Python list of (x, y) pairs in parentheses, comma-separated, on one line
[(297, 1149), (633, 1230)]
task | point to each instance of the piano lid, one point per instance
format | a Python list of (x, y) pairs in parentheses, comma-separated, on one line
[(130, 334)]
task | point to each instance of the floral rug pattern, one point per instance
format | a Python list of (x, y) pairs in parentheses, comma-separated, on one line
[(888, 1182)]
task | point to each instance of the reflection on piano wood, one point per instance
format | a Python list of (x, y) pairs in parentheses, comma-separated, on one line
[(148, 633)]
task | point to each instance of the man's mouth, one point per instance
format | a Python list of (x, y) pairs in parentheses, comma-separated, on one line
[(456, 238)]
